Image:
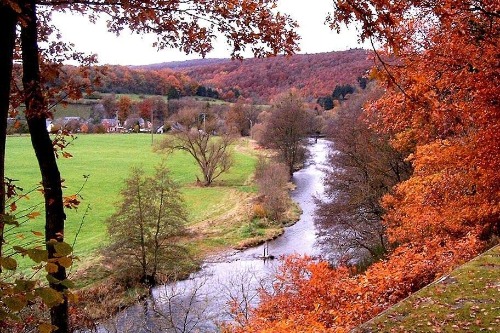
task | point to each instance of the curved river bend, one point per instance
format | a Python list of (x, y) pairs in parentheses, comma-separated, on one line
[(202, 302)]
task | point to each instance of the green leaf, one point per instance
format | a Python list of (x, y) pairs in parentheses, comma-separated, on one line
[(38, 255), (15, 304), (68, 284), (24, 285), (49, 296), (8, 263), (63, 249)]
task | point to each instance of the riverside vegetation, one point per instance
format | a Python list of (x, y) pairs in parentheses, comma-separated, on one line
[(225, 215)]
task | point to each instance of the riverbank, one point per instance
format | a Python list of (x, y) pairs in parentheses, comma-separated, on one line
[(227, 275), (228, 226), (103, 294)]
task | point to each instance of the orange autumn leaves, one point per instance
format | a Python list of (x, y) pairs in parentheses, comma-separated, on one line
[(310, 296), (442, 106)]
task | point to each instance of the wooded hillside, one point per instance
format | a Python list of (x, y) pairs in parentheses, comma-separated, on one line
[(260, 79)]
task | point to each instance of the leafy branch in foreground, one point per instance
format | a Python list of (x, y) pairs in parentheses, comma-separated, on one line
[(24, 293)]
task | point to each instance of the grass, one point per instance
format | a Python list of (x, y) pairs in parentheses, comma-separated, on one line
[(467, 300), (73, 110), (107, 159)]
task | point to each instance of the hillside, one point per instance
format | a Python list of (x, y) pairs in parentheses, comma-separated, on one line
[(261, 79), (185, 64), (465, 300)]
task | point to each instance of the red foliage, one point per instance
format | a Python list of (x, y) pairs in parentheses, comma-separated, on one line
[(312, 297), (313, 74), (442, 105)]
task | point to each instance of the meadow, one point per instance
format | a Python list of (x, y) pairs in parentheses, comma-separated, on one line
[(106, 160)]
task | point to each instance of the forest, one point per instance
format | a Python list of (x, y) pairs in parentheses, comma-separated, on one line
[(411, 191)]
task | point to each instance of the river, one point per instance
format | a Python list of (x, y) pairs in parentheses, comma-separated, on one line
[(204, 301)]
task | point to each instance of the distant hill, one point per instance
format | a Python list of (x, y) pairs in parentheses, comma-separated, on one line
[(314, 74), (176, 65)]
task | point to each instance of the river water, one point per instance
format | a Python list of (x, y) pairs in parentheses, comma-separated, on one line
[(231, 281)]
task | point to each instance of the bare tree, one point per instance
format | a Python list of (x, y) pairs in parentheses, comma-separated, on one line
[(184, 307), (272, 179), (285, 128), (363, 167), (204, 137)]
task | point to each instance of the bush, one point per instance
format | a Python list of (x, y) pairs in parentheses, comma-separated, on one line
[(272, 179)]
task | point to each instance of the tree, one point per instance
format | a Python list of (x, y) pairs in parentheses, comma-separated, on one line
[(110, 106), (326, 102), (145, 227), (180, 25), (204, 137), (285, 129), (125, 107), (341, 91), (7, 41), (441, 107), (272, 179), (363, 168), (241, 117), (362, 81)]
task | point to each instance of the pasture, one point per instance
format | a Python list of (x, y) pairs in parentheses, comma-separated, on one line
[(107, 159)]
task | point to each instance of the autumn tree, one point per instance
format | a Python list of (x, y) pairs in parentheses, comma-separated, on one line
[(440, 71), (362, 168), (181, 25), (146, 225), (204, 136), (443, 105), (285, 128), (125, 107), (272, 178), (241, 117)]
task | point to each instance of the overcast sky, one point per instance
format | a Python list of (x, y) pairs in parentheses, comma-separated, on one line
[(132, 49)]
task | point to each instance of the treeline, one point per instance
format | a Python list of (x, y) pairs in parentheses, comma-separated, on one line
[(127, 80), (260, 80)]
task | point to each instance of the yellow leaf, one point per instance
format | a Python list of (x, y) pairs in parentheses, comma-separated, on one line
[(73, 298), (65, 262), (8, 263), (15, 303), (46, 328), (37, 233), (63, 249), (33, 215), (49, 296)]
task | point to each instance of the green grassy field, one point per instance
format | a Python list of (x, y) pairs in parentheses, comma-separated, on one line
[(107, 160)]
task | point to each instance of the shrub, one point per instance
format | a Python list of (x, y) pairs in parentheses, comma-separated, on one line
[(272, 179)]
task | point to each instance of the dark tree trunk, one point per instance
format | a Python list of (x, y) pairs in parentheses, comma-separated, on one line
[(42, 145), (8, 21)]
